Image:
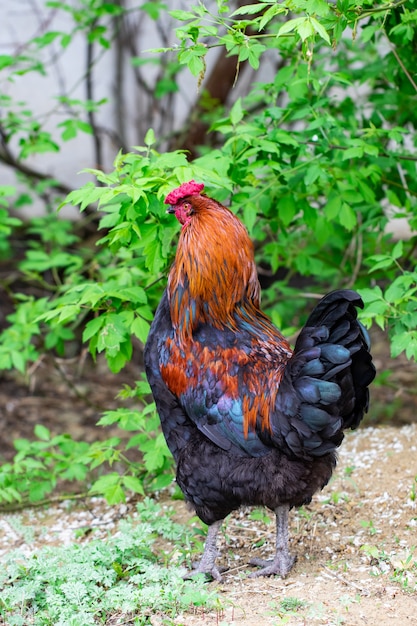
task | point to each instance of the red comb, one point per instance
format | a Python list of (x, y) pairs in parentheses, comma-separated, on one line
[(186, 189)]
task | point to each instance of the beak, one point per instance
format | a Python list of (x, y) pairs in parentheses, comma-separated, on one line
[(170, 209)]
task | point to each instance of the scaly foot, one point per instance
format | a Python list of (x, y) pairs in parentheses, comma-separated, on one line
[(283, 561), (207, 564)]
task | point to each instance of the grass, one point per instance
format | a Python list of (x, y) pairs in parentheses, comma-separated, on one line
[(291, 604), (370, 526), (400, 567), (120, 580), (413, 490), (88, 584), (286, 609)]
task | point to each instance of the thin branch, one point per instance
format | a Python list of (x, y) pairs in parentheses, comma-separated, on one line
[(26, 504), (119, 77), (391, 6), (7, 157), (401, 157), (394, 183), (391, 155), (349, 583), (401, 64), (98, 148)]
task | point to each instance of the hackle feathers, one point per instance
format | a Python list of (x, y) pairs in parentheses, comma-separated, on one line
[(214, 279)]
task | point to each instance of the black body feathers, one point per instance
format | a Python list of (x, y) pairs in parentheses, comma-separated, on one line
[(323, 391)]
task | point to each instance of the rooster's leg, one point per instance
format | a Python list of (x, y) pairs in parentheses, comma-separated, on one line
[(283, 561), (207, 564)]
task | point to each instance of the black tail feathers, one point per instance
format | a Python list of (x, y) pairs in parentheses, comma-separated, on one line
[(345, 354), (328, 375)]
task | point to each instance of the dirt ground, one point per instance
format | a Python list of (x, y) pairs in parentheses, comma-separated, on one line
[(356, 544)]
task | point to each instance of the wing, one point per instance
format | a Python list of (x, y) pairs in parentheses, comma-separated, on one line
[(174, 421), (184, 401), (226, 382)]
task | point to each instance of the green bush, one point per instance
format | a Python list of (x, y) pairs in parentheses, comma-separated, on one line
[(315, 161), (96, 582)]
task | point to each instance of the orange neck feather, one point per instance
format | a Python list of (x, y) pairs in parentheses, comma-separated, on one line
[(214, 279)]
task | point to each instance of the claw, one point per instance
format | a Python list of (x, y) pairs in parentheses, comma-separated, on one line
[(279, 566), (210, 574)]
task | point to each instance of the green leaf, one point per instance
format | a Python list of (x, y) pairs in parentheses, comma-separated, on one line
[(140, 328), (320, 30), (6, 60), (319, 7), (395, 292), (313, 173), (150, 137), (371, 149), (333, 206), (105, 483), (39, 490), (290, 25), (255, 52), (68, 312), (347, 216), (182, 16), (7, 190), (153, 9), (93, 327), (250, 214), (270, 13), (287, 209), (236, 112), (41, 432), (118, 357), (18, 361), (305, 29), (47, 38), (39, 143), (353, 153), (65, 40), (380, 261), (397, 250), (196, 66), (404, 342), (371, 295), (133, 484), (250, 9)]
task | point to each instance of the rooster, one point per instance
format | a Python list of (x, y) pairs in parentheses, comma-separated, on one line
[(248, 420)]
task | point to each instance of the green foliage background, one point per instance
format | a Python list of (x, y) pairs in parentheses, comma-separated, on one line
[(316, 160)]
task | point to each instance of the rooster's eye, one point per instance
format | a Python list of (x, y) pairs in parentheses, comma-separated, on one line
[(187, 208)]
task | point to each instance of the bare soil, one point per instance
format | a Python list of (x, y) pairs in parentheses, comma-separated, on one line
[(356, 544)]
